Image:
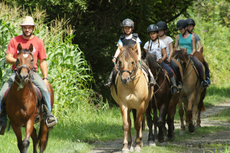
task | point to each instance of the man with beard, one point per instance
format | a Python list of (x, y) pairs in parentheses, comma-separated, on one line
[(39, 53)]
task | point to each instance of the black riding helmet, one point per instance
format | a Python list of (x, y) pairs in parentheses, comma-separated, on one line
[(181, 24), (152, 27), (162, 25), (128, 23), (191, 22)]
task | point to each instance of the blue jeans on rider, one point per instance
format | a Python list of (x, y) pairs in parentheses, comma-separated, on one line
[(167, 68), (37, 80)]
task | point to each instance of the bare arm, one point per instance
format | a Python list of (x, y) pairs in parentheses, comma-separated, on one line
[(164, 54), (44, 70), (171, 51), (176, 42), (199, 46), (193, 45), (10, 59), (139, 51)]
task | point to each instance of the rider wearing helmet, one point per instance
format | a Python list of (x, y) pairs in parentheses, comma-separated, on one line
[(168, 41), (187, 40), (157, 47), (127, 39), (191, 25)]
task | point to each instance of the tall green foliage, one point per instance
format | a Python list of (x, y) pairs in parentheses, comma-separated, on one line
[(69, 72), (212, 25)]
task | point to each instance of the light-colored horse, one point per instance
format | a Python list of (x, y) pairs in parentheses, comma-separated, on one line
[(191, 92), (131, 91)]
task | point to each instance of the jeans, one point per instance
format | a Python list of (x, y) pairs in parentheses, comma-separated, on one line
[(37, 80), (167, 68)]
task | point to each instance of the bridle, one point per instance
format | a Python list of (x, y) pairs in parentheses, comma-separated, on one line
[(30, 71)]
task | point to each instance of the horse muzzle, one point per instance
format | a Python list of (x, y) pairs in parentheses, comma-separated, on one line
[(125, 78)]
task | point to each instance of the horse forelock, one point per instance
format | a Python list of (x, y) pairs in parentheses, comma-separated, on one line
[(180, 54), (127, 54)]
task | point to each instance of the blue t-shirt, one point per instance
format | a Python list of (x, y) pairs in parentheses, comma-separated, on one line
[(186, 43)]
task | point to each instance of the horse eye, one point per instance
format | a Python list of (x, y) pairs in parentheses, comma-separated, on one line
[(32, 60)]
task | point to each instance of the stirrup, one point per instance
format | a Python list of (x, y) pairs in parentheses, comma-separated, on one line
[(174, 87)]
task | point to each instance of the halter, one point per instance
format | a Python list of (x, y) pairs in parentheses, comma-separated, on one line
[(20, 85)]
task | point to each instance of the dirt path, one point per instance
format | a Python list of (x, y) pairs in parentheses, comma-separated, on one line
[(196, 145)]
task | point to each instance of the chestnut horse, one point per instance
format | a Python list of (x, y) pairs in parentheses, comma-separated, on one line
[(192, 94), (22, 104), (163, 101), (131, 91)]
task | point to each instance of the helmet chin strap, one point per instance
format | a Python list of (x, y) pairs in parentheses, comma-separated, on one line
[(184, 32)]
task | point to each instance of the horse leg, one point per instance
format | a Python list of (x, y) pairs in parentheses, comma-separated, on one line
[(161, 123), (155, 119), (138, 127), (29, 131), (195, 108), (18, 134), (124, 113), (181, 114), (201, 107), (149, 117), (35, 140), (171, 114), (43, 136), (189, 113)]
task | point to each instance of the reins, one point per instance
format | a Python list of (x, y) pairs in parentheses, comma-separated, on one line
[(187, 68)]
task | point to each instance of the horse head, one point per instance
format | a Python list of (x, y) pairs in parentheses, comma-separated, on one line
[(128, 63), (24, 63), (181, 56)]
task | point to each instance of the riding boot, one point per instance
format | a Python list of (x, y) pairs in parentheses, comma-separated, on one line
[(112, 75), (207, 72), (174, 89), (3, 121), (51, 120)]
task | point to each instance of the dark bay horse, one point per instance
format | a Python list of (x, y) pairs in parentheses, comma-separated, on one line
[(192, 94), (131, 91), (22, 105), (162, 101)]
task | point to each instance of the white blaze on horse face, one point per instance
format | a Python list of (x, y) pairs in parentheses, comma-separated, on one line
[(25, 55)]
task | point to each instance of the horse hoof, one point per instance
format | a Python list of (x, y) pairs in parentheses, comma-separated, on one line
[(137, 149), (151, 143), (191, 128), (131, 149), (125, 150)]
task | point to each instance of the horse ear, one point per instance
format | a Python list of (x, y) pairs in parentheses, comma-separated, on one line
[(134, 48), (19, 48), (201, 50), (31, 48), (185, 51)]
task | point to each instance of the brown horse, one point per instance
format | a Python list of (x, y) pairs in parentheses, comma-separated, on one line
[(163, 101), (131, 91), (192, 94), (22, 106)]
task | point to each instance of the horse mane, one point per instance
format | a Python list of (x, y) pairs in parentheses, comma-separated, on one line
[(180, 53), (151, 61)]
